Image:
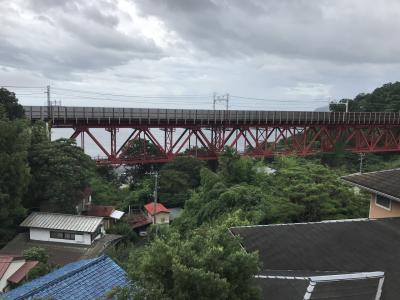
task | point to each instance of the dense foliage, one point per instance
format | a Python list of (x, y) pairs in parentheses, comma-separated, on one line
[(384, 98), (34, 171), (60, 173), (208, 264), (14, 171), (39, 254)]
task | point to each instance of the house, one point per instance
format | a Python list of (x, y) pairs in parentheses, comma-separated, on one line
[(158, 213), (13, 270), (384, 187), (63, 228), (343, 259), (138, 220), (85, 279), (109, 213)]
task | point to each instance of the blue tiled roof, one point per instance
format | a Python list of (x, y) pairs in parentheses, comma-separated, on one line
[(85, 279)]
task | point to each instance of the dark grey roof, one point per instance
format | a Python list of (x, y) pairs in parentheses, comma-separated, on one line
[(62, 222), (347, 246), (362, 289), (383, 182), (282, 289)]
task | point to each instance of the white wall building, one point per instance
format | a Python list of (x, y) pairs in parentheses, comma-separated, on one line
[(63, 228)]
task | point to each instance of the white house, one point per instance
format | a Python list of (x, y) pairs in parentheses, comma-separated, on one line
[(158, 213), (63, 228)]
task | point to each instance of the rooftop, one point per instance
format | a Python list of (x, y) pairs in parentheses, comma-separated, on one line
[(85, 279), (322, 285), (159, 208), (21, 273), (334, 247), (385, 182), (100, 210), (62, 222), (14, 268), (60, 253)]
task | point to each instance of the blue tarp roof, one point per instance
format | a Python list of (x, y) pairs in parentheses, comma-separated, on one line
[(84, 279)]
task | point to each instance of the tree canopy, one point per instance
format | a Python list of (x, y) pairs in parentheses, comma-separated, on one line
[(209, 264), (60, 174)]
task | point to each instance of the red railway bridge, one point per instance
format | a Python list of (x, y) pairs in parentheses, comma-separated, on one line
[(205, 133)]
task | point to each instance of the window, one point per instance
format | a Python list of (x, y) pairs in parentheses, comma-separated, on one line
[(383, 202), (62, 235)]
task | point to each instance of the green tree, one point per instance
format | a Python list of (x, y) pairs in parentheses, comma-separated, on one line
[(60, 173), (10, 103), (14, 174), (209, 264), (36, 253), (313, 191), (140, 148), (234, 168), (39, 254), (178, 178)]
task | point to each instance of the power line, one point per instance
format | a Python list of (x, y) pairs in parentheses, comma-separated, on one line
[(77, 97), (19, 94), (277, 100), (22, 87), (131, 96)]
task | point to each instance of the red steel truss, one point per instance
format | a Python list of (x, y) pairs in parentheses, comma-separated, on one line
[(207, 143)]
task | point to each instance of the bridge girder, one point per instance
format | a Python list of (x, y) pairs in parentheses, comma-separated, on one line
[(254, 141)]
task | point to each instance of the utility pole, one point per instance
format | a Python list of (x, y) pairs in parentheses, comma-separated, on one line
[(155, 195), (48, 111), (362, 155), (223, 98), (48, 101), (347, 106)]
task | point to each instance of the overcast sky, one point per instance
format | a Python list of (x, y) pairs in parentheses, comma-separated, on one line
[(294, 54)]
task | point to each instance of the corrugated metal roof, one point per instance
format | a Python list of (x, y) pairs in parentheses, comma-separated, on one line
[(62, 222), (159, 208), (21, 273), (85, 279), (117, 214)]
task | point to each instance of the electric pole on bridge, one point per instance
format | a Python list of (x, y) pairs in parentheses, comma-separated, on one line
[(222, 98)]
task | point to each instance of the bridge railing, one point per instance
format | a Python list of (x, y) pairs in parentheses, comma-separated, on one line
[(68, 115)]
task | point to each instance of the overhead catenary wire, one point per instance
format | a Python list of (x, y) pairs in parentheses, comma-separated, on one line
[(182, 100), (22, 87), (277, 100), (132, 96)]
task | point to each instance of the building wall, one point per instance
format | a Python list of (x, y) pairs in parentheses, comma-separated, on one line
[(44, 235), (162, 218), (12, 268), (376, 212)]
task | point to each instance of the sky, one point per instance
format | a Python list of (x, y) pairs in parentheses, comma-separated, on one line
[(287, 54)]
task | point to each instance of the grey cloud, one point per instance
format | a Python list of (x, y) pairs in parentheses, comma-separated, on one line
[(73, 37), (337, 31)]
